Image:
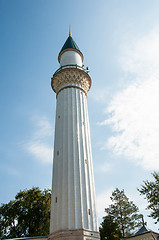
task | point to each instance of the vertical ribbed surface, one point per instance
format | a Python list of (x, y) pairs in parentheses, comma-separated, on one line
[(73, 200)]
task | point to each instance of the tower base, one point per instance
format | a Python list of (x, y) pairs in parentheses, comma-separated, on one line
[(75, 234)]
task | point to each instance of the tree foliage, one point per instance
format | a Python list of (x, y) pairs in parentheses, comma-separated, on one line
[(27, 215), (109, 229), (150, 189), (124, 212)]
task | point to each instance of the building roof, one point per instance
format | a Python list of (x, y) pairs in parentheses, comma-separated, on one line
[(142, 230), (29, 238), (70, 44)]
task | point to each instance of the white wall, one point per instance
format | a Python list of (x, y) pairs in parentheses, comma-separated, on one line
[(70, 57)]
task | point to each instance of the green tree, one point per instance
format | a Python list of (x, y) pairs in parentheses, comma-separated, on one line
[(124, 212), (150, 189), (27, 215), (109, 229)]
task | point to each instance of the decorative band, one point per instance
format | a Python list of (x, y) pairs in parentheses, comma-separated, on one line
[(71, 76), (71, 87)]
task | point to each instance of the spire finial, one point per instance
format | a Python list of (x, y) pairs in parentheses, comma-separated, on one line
[(70, 30)]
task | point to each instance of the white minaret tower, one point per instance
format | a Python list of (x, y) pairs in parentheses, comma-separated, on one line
[(73, 207)]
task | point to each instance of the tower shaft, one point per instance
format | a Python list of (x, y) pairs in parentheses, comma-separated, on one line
[(73, 181)]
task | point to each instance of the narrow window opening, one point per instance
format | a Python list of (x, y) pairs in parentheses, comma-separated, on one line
[(59, 116), (57, 153), (89, 211), (56, 199)]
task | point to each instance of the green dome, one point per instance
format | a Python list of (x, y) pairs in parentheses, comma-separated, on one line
[(70, 44)]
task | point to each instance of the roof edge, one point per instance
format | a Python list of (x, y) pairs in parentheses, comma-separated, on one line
[(23, 238), (150, 231)]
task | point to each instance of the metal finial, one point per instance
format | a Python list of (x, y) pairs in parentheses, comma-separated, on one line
[(70, 30)]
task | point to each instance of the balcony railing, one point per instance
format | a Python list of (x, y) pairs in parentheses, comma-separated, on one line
[(72, 66)]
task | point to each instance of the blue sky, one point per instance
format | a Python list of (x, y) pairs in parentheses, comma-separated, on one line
[(120, 43)]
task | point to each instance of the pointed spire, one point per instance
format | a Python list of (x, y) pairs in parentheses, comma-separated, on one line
[(143, 222), (70, 45), (70, 30)]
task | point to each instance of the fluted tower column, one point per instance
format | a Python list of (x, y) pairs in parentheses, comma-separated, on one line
[(73, 207)]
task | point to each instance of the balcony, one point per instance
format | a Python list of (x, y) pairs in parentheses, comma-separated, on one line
[(72, 66)]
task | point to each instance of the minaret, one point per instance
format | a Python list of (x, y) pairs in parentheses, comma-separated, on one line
[(73, 207)]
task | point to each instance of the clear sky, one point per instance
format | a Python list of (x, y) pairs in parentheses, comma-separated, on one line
[(120, 43)]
